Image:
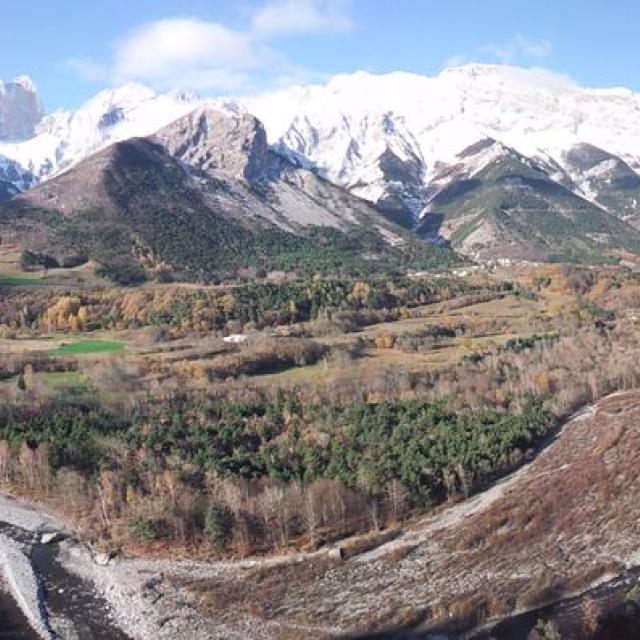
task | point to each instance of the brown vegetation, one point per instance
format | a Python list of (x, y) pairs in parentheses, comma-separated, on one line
[(567, 525)]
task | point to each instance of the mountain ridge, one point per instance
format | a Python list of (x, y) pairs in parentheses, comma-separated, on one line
[(202, 197), (393, 140)]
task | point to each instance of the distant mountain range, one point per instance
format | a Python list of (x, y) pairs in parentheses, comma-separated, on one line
[(497, 161), (202, 196)]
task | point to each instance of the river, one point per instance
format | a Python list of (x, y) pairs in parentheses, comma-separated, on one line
[(75, 610), (13, 624)]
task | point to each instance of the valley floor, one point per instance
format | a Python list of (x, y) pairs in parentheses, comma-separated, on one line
[(557, 526)]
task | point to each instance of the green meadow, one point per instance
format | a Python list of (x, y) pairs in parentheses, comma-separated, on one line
[(88, 347)]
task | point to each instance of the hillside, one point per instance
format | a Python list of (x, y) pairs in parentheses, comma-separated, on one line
[(339, 455), (398, 147), (494, 201), (516, 547), (169, 207)]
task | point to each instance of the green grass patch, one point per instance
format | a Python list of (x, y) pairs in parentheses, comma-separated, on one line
[(21, 281), (86, 347)]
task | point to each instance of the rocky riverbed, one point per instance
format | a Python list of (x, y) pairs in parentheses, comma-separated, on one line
[(65, 590), (54, 601)]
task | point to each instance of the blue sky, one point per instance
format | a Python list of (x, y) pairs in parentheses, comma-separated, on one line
[(73, 48)]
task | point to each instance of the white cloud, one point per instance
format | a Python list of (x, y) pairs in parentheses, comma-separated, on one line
[(86, 69), (457, 61), (283, 17), (190, 53), (542, 78)]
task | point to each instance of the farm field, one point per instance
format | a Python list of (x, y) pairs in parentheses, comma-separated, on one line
[(88, 347), (21, 280)]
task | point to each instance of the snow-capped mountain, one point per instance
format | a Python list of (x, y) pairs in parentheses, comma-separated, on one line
[(399, 140), (20, 109), (350, 127), (64, 138), (202, 195)]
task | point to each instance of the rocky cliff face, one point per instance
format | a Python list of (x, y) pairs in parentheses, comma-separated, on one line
[(20, 109), (209, 138), (13, 179)]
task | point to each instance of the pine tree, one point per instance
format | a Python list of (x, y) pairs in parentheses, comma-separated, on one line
[(217, 525)]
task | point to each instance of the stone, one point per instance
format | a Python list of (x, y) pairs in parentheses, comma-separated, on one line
[(337, 553), (51, 537)]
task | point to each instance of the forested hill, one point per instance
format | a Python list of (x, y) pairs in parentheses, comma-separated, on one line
[(140, 212)]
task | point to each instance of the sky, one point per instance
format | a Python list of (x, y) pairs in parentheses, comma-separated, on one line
[(74, 48)]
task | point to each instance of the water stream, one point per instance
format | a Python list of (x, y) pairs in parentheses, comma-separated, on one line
[(75, 610), (13, 624)]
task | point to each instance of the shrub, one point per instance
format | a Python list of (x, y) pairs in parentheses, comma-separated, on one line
[(122, 274), (545, 630), (30, 260), (632, 598), (145, 529), (218, 523)]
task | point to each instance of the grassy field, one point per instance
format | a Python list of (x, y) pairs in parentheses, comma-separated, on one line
[(60, 381), (512, 315), (431, 338), (88, 347), (438, 357), (12, 274), (21, 280)]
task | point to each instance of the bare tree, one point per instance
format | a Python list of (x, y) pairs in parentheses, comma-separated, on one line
[(397, 496), (310, 513)]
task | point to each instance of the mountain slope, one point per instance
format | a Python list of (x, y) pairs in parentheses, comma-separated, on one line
[(233, 147), (203, 196), (393, 140), (13, 179), (348, 127), (606, 179), (496, 201)]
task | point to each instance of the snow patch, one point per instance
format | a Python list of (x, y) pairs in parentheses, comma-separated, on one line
[(344, 128)]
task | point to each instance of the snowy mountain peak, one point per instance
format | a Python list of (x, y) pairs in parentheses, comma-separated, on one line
[(26, 83), (344, 127), (20, 109), (393, 139), (66, 137), (130, 94)]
